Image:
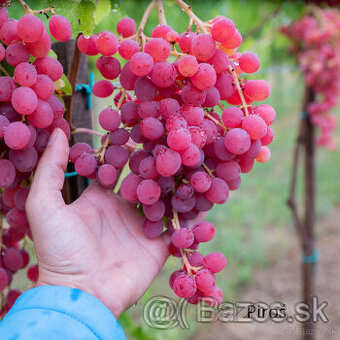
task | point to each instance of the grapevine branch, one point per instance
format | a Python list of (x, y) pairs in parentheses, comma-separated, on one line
[(238, 87), (28, 10), (160, 12), (193, 18), (89, 131), (140, 36)]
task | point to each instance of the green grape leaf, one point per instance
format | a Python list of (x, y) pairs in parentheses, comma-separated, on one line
[(103, 10)]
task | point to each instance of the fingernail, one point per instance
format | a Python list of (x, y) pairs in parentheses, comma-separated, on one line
[(53, 137)]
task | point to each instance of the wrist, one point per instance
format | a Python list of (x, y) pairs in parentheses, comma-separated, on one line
[(56, 279)]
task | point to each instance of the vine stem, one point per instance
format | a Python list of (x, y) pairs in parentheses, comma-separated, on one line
[(193, 18), (4, 71), (89, 131), (140, 31), (238, 86), (208, 170), (105, 146), (28, 10), (208, 115), (160, 12)]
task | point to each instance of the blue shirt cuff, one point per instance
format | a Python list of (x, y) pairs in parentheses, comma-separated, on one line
[(54, 312)]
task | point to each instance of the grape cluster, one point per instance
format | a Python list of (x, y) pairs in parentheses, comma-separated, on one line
[(315, 40), (186, 156), (29, 111)]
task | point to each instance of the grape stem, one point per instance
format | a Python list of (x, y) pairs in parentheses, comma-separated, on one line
[(103, 151), (160, 12), (89, 131), (208, 170), (140, 31), (28, 10), (208, 115), (240, 92), (4, 71), (193, 18)]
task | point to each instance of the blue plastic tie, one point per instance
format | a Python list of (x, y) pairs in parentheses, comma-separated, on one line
[(313, 258), (88, 90), (304, 115), (71, 174)]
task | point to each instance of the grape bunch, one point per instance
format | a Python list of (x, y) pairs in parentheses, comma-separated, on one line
[(315, 40), (164, 123), (29, 112)]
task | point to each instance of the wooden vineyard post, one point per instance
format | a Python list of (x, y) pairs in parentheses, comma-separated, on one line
[(305, 226), (77, 112)]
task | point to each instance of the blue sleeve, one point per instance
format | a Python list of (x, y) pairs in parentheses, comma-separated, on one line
[(64, 313)]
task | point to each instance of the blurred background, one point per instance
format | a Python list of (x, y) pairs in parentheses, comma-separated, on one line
[(254, 229)]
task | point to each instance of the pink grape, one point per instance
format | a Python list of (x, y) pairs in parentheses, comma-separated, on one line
[(9, 32), (17, 135), (127, 78), (24, 160), (128, 48), (188, 66), (203, 231), (168, 107), (203, 47), (163, 74), (255, 126), (7, 173), (126, 27), (158, 48), (117, 156), (200, 181), (50, 67), (179, 140), (40, 48), (219, 61), (264, 155), (234, 42), (151, 128), (168, 162), (182, 238), (249, 62), (42, 117), (184, 286), (147, 168), (119, 137), (161, 31), (109, 67), (218, 192), (257, 90), (57, 107), (109, 119), (13, 259), (107, 175), (4, 122), (30, 28), (232, 117), (107, 43), (78, 149), (144, 89), (237, 141), (148, 192), (25, 74), (192, 95), (215, 262), (153, 229), (128, 187), (88, 45), (43, 87), (193, 114), (205, 281), (223, 30), (85, 164), (24, 100), (102, 88), (185, 41), (4, 279), (33, 273), (60, 28), (205, 77), (154, 212), (7, 86), (16, 54), (266, 112), (141, 64)]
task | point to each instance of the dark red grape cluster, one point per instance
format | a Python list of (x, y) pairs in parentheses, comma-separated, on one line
[(315, 40), (29, 111), (186, 156)]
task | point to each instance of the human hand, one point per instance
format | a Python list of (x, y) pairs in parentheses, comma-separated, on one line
[(96, 243)]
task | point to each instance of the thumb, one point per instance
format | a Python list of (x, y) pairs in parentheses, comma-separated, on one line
[(49, 176)]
